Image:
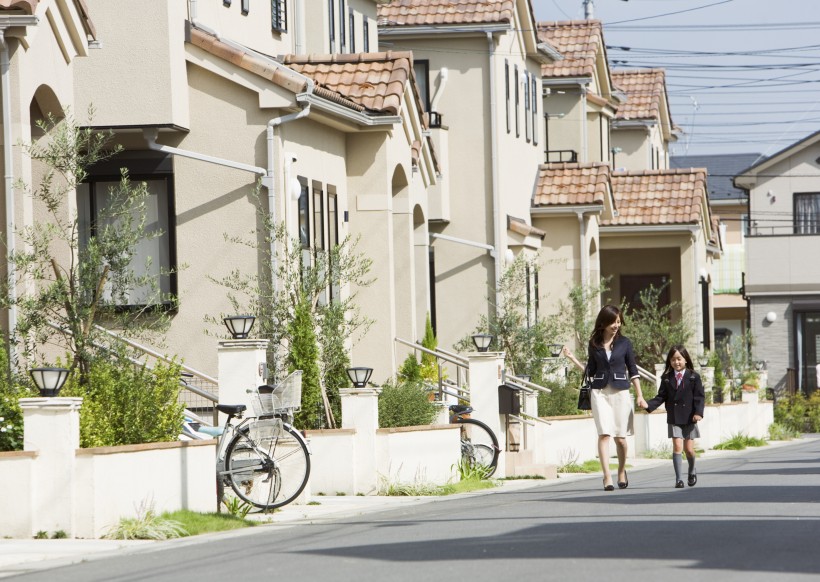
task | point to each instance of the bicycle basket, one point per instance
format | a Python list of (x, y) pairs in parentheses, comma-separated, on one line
[(285, 396)]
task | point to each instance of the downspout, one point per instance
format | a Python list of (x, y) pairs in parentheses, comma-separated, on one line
[(299, 17), (8, 164), (496, 254), (584, 135), (582, 224), (267, 181)]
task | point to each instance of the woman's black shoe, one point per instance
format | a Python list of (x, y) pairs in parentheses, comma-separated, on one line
[(609, 487), (679, 485), (693, 479), (625, 483)]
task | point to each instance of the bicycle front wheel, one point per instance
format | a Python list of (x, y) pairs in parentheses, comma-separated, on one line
[(479, 446), (268, 468)]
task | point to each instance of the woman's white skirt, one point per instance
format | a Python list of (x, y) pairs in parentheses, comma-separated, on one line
[(613, 412)]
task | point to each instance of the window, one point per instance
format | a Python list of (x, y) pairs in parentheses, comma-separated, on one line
[(331, 26), (352, 31), (246, 6), (154, 256), (507, 90), (526, 83), (319, 231), (226, 2), (342, 36), (279, 15), (366, 34), (535, 98), (807, 213), (517, 102), (421, 68)]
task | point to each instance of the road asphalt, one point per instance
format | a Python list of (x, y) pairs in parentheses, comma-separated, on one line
[(19, 556)]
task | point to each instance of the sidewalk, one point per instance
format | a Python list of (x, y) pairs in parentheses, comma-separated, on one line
[(18, 556)]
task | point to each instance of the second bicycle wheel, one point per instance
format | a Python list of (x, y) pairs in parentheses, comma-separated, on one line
[(479, 446), (268, 468)]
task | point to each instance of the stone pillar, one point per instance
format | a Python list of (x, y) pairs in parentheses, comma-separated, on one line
[(486, 373), (360, 411), (659, 368), (242, 367), (51, 427)]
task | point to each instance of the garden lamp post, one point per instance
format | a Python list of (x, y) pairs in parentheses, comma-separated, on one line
[(482, 341), (359, 376), (239, 325), (49, 380)]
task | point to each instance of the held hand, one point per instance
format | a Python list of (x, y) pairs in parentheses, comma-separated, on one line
[(642, 403), (697, 418)]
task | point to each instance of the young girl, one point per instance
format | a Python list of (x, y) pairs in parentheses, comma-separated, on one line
[(681, 390)]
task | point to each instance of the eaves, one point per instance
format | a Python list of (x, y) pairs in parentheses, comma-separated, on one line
[(651, 229), (567, 209), (467, 29), (562, 81), (646, 124), (340, 111)]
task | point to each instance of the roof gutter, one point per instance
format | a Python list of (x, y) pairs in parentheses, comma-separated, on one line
[(586, 209), (650, 229), (338, 110), (386, 30)]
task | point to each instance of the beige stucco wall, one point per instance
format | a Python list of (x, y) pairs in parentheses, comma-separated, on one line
[(642, 148), (136, 78), (566, 123)]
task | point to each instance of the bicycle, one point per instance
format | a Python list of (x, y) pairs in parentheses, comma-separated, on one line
[(263, 458), (479, 445)]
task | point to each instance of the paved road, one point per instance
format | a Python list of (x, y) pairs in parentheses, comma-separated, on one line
[(754, 515)]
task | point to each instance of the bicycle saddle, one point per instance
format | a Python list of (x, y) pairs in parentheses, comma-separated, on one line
[(460, 409), (231, 409)]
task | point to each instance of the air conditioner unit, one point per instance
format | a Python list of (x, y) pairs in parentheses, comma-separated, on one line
[(545, 91)]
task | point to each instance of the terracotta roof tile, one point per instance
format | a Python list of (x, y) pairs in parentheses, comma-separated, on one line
[(27, 6), (655, 197), (645, 90), (372, 81), (571, 184), (578, 41), (432, 12), (521, 227)]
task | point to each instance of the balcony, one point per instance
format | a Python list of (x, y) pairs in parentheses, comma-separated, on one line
[(561, 157), (782, 263)]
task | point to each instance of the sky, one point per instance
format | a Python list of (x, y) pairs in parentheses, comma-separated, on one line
[(743, 76)]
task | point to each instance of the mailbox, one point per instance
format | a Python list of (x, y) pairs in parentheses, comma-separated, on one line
[(508, 399)]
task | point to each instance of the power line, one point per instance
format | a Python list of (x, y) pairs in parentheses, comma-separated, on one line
[(670, 13)]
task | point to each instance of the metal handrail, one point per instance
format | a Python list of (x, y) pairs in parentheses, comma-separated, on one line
[(526, 383), (452, 358), (647, 375), (148, 351), (460, 363)]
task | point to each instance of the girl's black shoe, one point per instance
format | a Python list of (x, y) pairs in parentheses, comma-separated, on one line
[(679, 485), (693, 479)]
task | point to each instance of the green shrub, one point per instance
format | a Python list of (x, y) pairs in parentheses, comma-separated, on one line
[(405, 404), (126, 404), (780, 432), (562, 401), (11, 417), (798, 413), (304, 355)]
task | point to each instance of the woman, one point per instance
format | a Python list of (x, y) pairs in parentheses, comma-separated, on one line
[(611, 365)]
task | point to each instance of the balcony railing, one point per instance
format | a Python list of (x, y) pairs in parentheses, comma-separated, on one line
[(561, 157), (783, 229)]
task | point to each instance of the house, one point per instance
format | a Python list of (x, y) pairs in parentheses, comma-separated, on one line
[(42, 40), (643, 128), (335, 141), (782, 271), (640, 225), (730, 209), (478, 63)]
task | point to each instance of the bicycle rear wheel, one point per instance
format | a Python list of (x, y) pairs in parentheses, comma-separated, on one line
[(268, 468), (479, 445)]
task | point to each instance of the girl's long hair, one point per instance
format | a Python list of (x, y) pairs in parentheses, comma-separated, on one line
[(606, 317), (678, 348)]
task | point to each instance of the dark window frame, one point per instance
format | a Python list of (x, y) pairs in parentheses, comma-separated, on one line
[(507, 91), (352, 30), (279, 15), (331, 25), (342, 22), (246, 7), (535, 97), (143, 166), (517, 103), (808, 224), (421, 69), (366, 34)]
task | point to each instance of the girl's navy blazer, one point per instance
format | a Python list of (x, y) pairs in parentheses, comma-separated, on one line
[(681, 404), (618, 370)]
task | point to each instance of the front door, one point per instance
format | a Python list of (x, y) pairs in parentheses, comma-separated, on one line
[(807, 324)]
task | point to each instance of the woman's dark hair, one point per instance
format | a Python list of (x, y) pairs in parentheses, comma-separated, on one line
[(606, 317), (684, 353)]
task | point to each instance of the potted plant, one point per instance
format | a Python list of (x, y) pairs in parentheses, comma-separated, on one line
[(750, 381)]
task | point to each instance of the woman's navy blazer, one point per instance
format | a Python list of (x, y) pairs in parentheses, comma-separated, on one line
[(681, 404), (618, 370)]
